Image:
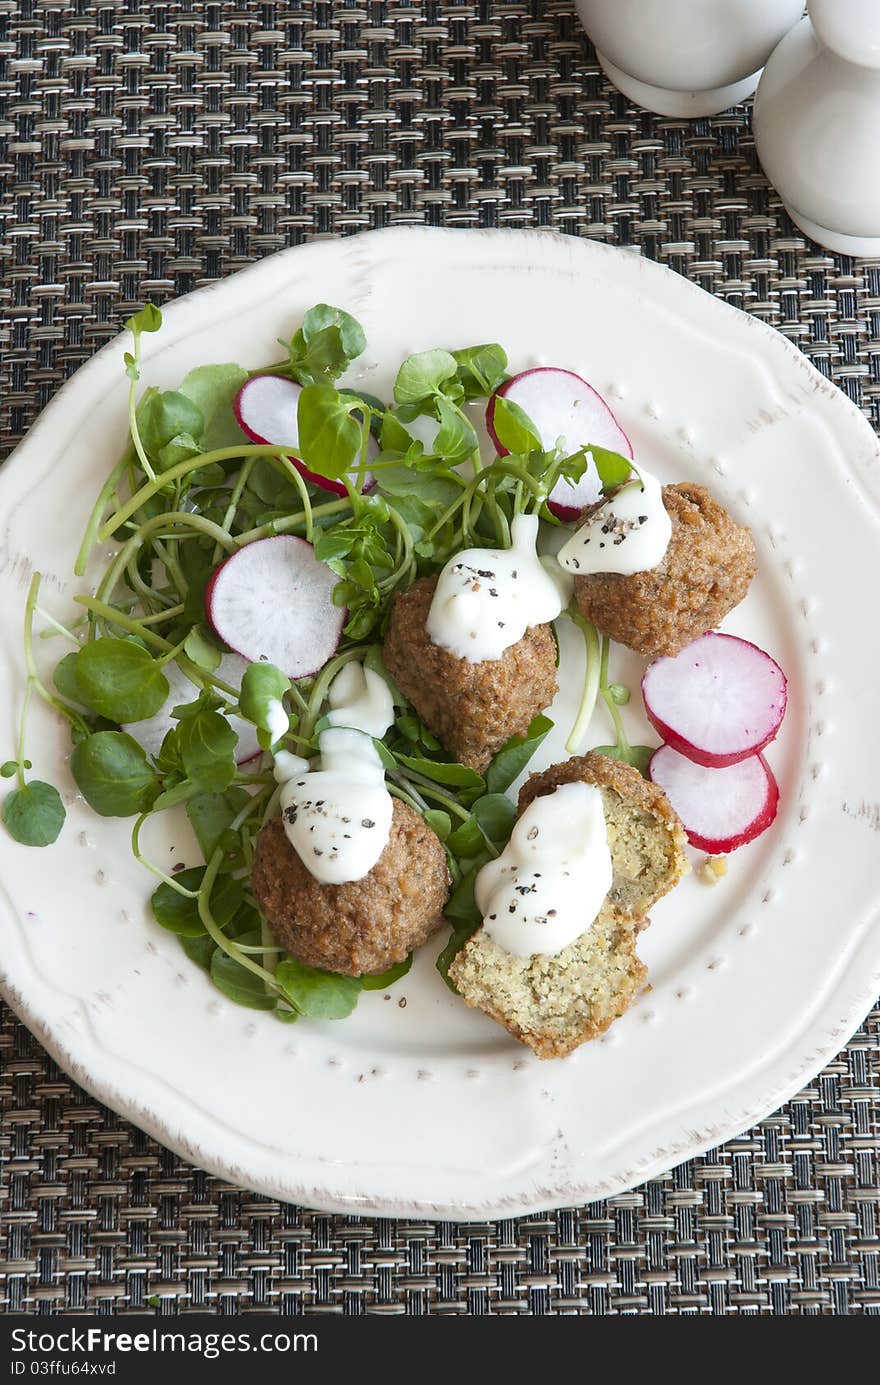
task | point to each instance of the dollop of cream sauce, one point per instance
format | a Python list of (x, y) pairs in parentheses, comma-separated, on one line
[(550, 882), (629, 533), (486, 598), (338, 816)]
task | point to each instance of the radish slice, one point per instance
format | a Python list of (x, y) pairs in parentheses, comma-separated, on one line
[(151, 733), (720, 809), (272, 602), (266, 410), (562, 405), (718, 701)]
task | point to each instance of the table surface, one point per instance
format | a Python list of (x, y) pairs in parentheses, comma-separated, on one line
[(151, 148)]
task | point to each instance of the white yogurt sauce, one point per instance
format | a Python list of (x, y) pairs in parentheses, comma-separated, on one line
[(279, 721), (338, 817), (486, 598), (630, 533), (551, 880)]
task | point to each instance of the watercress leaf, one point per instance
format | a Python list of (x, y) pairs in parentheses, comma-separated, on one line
[(262, 689), (147, 319), (180, 449), (614, 470), (35, 814), (439, 822), (513, 757), (113, 775), (212, 388), (272, 485), (496, 814), (165, 415), (638, 756), (200, 647), (9, 769), (481, 369), (285, 1014), (65, 678), (211, 814), (456, 439), (388, 760), (172, 797), (436, 493), (240, 983), (175, 911), (378, 982), (207, 748), (619, 694), (393, 436), (513, 427), (180, 914), (467, 839), (457, 940), (329, 437), (422, 375), (351, 333), (120, 680), (320, 994), (462, 906), (199, 949), (460, 776)]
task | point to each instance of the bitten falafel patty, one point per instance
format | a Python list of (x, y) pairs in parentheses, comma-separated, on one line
[(706, 571), (472, 708), (364, 925)]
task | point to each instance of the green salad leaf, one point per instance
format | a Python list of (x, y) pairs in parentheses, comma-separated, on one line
[(113, 775), (120, 680), (34, 814), (322, 995)]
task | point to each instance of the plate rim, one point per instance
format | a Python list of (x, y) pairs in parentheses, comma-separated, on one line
[(859, 998)]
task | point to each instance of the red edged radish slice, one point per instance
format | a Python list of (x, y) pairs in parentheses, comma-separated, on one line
[(720, 809), (718, 701), (562, 405), (151, 733), (266, 410), (272, 601)]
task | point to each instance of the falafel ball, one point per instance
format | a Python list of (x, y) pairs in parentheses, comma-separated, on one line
[(705, 572), (364, 925), (472, 708)]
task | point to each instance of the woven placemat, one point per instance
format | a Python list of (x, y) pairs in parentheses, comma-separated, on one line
[(149, 148)]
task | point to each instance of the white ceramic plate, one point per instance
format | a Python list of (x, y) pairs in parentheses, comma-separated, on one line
[(425, 1108)]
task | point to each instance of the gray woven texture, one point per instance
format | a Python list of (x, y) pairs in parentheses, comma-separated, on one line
[(149, 148)]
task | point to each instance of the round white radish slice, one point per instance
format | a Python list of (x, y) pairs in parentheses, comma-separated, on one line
[(272, 602), (151, 733), (718, 701), (720, 809), (562, 405), (266, 410)]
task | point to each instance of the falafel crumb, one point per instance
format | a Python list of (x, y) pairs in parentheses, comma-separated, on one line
[(712, 869)]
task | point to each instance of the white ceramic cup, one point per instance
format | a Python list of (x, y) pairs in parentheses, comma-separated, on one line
[(817, 124), (686, 57)]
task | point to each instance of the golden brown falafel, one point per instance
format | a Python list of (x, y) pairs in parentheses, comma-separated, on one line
[(705, 572), (554, 1004), (364, 925), (472, 708)]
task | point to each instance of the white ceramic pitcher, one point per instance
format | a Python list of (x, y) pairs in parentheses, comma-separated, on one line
[(686, 57), (817, 124)]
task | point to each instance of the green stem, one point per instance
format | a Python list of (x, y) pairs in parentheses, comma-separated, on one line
[(90, 537), (184, 468), (34, 682), (592, 678), (621, 742)]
